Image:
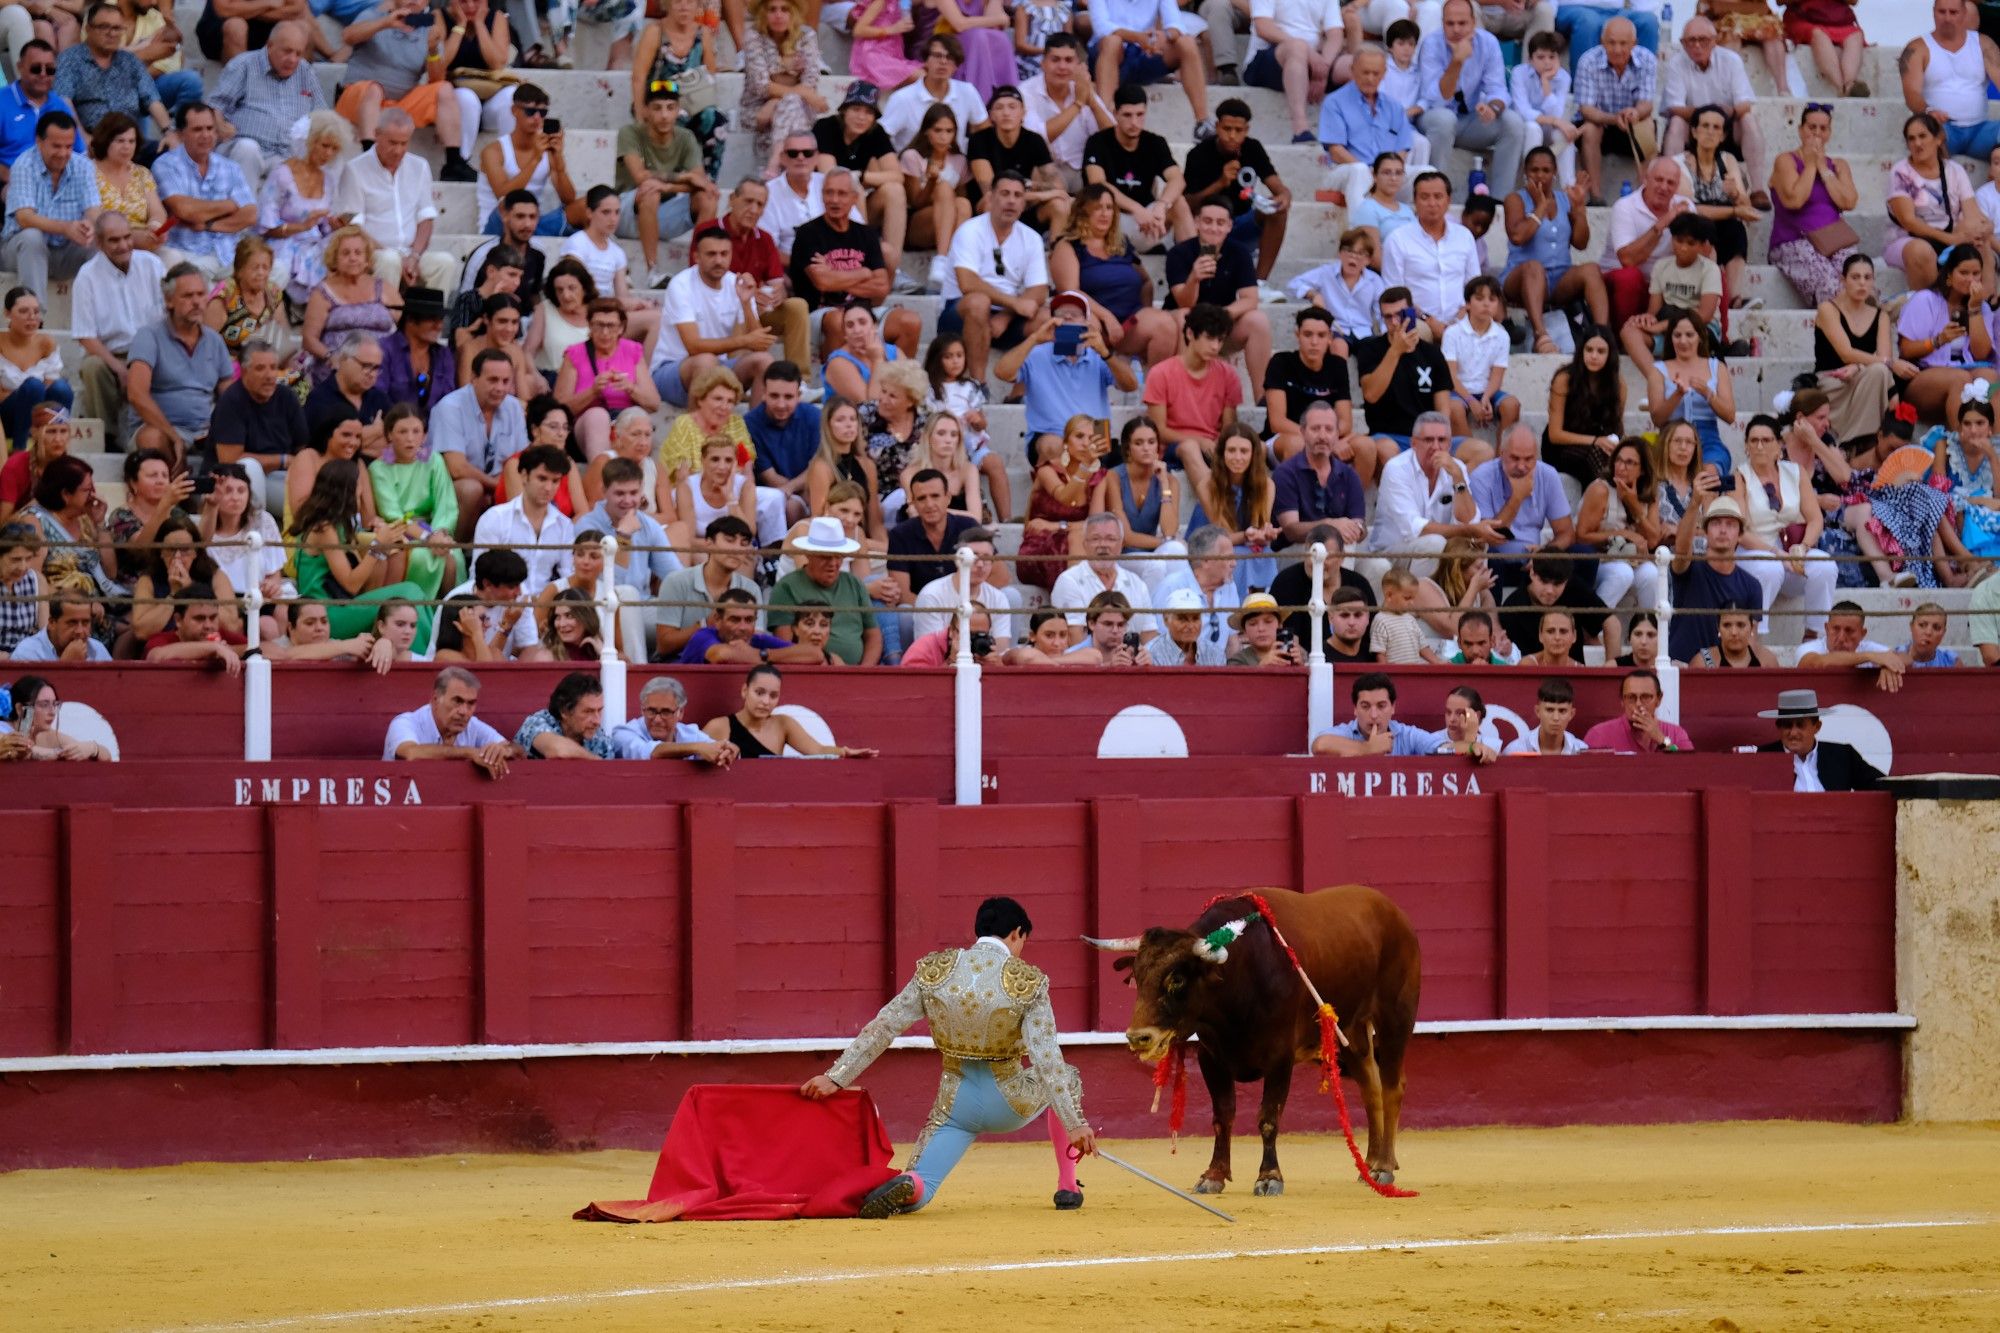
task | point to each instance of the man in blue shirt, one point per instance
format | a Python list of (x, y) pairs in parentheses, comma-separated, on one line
[(786, 433), (1519, 494), (478, 427), (659, 733), (731, 635), (1313, 487), (23, 101), (1357, 124), (1374, 729), (1464, 81), (1057, 387), (52, 206)]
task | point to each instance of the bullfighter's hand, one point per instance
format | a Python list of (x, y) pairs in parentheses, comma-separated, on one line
[(818, 1088), (1084, 1142)]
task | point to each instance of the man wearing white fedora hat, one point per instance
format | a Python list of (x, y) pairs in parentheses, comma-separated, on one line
[(1817, 765), (822, 577)]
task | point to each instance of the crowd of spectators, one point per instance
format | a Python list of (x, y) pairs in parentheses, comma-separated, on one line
[(266, 324)]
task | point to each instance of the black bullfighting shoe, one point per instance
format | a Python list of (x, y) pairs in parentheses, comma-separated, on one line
[(892, 1196), (1070, 1200)]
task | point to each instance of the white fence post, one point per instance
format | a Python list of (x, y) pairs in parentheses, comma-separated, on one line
[(968, 735), (1319, 671), (610, 665), (256, 668), (1670, 675)]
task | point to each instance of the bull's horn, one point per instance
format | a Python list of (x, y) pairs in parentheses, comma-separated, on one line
[(1129, 944)]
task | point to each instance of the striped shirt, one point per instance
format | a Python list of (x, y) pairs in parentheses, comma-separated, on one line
[(263, 106), (176, 174), (1599, 87), (67, 199)]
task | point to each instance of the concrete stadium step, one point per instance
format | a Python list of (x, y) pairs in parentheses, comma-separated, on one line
[(1878, 70)]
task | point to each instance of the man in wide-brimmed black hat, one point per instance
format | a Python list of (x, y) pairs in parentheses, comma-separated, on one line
[(1817, 765)]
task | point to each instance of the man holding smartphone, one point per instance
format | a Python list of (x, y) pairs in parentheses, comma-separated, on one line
[(1064, 369), (1215, 268)]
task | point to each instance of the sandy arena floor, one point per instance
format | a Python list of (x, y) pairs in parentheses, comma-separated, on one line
[(1740, 1226)]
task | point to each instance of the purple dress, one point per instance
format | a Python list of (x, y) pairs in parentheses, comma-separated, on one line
[(989, 52)]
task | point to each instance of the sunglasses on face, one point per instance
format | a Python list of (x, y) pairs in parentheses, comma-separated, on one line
[(801, 152), (522, 109), (38, 69)]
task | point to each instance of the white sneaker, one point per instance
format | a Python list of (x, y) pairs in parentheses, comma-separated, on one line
[(1269, 295), (811, 393), (658, 277), (906, 285), (935, 282)]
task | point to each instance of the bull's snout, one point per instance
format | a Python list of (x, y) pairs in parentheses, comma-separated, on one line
[(1148, 1043)]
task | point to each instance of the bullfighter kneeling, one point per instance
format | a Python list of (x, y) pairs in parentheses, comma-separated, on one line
[(986, 1007)]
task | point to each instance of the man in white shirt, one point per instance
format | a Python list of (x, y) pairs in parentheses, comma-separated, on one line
[(1945, 72), (1638, 238), (1100, 572), (1143, 42), (904, 114), (447, 728), (530, 520), (1422, 500), (116, 294), (1702, 74), (795, 195), (997, 280), (387, 191), (1435, 258), (1293, 46), (1063, 108), (710, 314), (937, 603)]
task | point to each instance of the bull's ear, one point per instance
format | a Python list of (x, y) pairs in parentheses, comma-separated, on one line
[(1123, 964)]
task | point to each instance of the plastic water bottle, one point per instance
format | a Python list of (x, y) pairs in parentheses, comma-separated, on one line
[(1666, 27), (1476, 182), (1624, 189)]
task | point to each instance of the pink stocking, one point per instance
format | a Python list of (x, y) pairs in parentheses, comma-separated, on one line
[(1065, 1167)]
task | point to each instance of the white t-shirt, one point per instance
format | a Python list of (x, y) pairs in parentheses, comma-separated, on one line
[(1631, 218), (903, 115), (714, 313), (972, 247), (1307, 20), (1988, 196), (605, 265), (1476, 354), (420, 726), (938, 603), (1532, 744)]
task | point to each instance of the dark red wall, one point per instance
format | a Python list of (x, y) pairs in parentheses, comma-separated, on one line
[(1044, 715), (135, 929)]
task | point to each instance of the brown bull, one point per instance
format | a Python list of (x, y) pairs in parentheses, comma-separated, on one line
[(1255, 1020)]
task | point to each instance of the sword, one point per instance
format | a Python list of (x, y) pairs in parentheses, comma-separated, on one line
[(1152, 1179)]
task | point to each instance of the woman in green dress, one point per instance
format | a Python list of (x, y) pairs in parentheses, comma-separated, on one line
[(415, 491), (350, 585)]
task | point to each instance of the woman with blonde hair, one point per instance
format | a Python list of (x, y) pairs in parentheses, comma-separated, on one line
[(350, 299), (1092, 256), (1463, 581), (1065, 474), (572, 632), (294, 208), (943, 449), (1239, 500), (781, 95), (843, 459), (892, 421), (631, 437), (1676, 463), (720, 487)]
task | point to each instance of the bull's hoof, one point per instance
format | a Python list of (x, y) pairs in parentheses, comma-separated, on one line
[(1208, 1185), (1269, 1185), (1381, 1175)]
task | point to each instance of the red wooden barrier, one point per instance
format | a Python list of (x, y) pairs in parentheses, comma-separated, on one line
[(219, 929)]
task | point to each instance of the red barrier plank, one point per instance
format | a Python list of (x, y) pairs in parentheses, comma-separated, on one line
[(708, 946), (31, 947), (292, 847), (90, 964), (1117, 907), (1728, 894), (502, 848), (1524, 888)]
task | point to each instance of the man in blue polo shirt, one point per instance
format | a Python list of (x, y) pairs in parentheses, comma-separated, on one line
[(1358, 123), (1056, 387), (23, 101)]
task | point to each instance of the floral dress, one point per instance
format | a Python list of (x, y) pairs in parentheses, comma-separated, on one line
[(132, 200), (280, 204), (763, 62), (241, 325), (1981, 532), (698, 109), (890, 452)]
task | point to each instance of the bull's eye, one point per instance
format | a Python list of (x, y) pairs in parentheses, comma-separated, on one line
[(1173, 983)]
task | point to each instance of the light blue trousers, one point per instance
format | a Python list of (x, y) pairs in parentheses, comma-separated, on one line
[(977, 1109)]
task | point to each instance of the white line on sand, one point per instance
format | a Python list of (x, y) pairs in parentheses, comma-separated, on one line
[(583, 1298)]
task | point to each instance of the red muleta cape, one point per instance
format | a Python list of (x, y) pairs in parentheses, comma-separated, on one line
[(760, 1153)]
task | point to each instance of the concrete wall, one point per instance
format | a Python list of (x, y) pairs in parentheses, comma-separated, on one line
[(1948, 947)]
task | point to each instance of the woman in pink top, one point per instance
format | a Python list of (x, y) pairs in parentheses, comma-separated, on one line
[(877, 53), (602, 376)]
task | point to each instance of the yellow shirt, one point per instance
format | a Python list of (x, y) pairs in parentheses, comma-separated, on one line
[(683, 446), (144, 29)]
